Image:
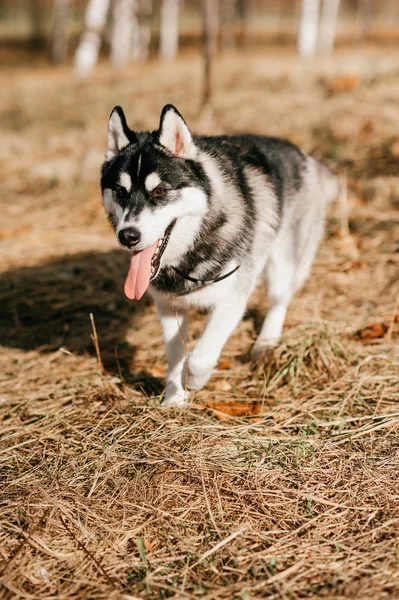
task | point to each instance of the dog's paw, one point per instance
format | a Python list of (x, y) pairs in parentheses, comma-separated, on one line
[(197, 377), (176, 399), (262, 349)]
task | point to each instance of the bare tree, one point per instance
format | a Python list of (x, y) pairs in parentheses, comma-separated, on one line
[(169, 28), (363, 19), (35, 9), (59, 31), (308, 27), (229, 12), (210, 18), (328, 25), (124, 31), (142, 35), (89, 46)]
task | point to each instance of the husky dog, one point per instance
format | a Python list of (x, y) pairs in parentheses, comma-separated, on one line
[(204, 218)]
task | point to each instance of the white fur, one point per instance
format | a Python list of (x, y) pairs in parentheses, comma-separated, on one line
[(174, 330), (117, 139), (152, 223), (125, 181), (176, 136), (152, 181), (111, 207)]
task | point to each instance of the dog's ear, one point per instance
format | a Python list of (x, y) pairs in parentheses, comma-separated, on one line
[(119, 133), (174, 133)]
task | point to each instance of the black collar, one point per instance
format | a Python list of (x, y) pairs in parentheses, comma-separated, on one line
[(207, 281)]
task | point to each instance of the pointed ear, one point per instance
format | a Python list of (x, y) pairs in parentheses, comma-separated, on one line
[(118, 133), (174, 133)]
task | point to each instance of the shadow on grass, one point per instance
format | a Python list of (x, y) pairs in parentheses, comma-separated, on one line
[(47, 307)]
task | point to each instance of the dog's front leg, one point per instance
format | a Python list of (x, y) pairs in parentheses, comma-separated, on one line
[(174, 328), (221, 324)]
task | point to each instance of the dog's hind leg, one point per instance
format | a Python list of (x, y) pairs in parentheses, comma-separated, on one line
[(174, 329), (221, 324), (280, 277), (286, 271)]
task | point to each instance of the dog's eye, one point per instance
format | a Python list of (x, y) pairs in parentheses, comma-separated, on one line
[(159, 191), (120, 192)]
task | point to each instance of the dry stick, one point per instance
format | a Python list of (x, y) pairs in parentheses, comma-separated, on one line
[(222, 543), (392, 323), (210, 25), (26, 535), (183, 340), (94, 338), (89, 554), (208, 505), (343, 205)]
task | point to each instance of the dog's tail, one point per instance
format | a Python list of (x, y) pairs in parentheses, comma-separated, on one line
[(329, 184)]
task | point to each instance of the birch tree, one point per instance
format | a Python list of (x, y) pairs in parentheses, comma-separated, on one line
[(328, 26), (169, 41), (229, 10), (210, 19), (124, 31), (89, 46), (308, 27), (59, 31), (142, 35), (363, 19)]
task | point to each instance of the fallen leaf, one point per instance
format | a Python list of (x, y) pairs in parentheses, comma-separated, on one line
[(222, 385), (8, 234), (157, 372), (224, 410), (343, 83), (395, 149), (148, 546), (224, 366), (372, 332)]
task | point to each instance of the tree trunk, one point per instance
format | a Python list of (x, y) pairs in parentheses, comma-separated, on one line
[(210, 17), (124, 31), (363, 19), (59, 31), (229, 18), (36, 40), (142, 39), (328, 26), (309, 23), (169, 29), (89, 45)]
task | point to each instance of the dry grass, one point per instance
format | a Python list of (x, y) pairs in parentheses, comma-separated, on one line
[(104, 495)]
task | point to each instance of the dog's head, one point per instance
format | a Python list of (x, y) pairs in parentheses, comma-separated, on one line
[(152, 184)]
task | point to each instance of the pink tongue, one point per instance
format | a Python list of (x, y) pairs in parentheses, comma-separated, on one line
[(138, 278)]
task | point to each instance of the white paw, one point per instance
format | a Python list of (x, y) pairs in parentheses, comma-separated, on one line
[(177, 399), (262, 347), (198, 376)]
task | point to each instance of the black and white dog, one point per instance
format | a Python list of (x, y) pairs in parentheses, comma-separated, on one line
[(204, 218)]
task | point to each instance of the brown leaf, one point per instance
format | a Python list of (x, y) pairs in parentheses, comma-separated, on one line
[(224, 410), (157, 372), (221, 385), (395, 149), (148, 546), (344, 83), (372, 332), (8, 234), (224, 366)]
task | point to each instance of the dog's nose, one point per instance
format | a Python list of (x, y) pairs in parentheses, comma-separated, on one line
[(129, 237)]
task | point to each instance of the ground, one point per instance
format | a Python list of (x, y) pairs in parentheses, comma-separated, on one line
[(279, 480)]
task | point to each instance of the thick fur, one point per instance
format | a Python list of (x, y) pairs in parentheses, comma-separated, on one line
[(246, 200)]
